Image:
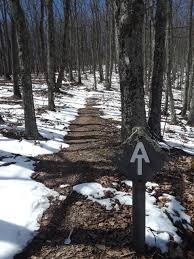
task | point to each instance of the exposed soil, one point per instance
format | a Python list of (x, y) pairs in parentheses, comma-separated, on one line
[(98, 233)]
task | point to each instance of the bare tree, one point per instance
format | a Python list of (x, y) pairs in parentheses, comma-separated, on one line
[(64, 47), (6, 37), (93, 45), (50, 54), (42, 39), (169, 62), (191, 113), (77, 43), (5, 68), (108, 45), (15, 62), (189, 62), (158, 70), (97, 24), (129, 19), (31, 130)]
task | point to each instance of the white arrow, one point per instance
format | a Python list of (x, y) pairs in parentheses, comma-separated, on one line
[(139, 157)]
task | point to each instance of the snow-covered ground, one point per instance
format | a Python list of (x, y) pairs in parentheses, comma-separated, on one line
[(159, 228), (51, 125), (22, 199), (179, 136)]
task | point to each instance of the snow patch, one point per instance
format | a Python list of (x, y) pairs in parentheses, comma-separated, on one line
[(23, 202), (159, 228)]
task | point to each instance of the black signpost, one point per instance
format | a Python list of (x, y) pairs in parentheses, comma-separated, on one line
[(142, 157), (139, 215)]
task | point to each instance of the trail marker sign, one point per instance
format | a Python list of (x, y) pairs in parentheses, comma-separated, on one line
[(141, 158)]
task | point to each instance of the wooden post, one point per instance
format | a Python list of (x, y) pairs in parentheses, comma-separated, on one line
[(139, 215), (140, 159)]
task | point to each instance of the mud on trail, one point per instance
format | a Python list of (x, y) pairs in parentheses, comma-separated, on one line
[(96, 232)]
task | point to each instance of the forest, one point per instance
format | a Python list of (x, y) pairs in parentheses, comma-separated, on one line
[(96, 129)]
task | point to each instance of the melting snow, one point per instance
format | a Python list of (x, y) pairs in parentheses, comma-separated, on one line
[(23, 200), (179, 136), (159, 228)]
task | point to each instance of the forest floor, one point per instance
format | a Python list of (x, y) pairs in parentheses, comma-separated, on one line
[(78, 227), (70, 179)]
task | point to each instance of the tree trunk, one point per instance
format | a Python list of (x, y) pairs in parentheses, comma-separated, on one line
[(165, 111), (94, 68), (191, 113), (70, 54), (94, 45), (116, 41), (31, 130), (151, 44), (1, 120), (50, 54), (107, 61), (64, 47), (15, 62), (77, 45), (189, 62), (98, 39), (111, 39), (158, 70), (4, 58), (145, 47), (129, 18), (42, 40), (169, 60), (6, 36)]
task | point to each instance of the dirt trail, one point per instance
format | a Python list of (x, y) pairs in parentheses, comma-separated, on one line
[(92, 140), (97, 233)]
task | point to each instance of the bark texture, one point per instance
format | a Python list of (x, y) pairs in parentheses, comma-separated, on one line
[(169, 60), (191, 113), (189, 63), (78, 54), (31, 130), (129, 16), (64, 47), (50, 54), (15, 62), (42, 40), (158, 70)]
